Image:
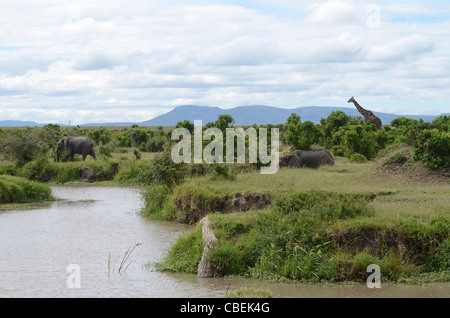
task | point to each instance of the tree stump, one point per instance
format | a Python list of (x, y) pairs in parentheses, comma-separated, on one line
[(209, 240)]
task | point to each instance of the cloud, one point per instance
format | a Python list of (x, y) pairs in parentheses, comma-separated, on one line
[(100, 60), (400, 49), (334, 12), (95, 61)]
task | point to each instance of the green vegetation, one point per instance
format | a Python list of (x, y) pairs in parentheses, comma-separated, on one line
[(324, 236), (386, 201), (433, 148), (325, 225), (249, 292), (19, 190)]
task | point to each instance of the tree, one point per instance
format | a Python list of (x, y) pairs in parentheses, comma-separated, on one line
[(22, 146), (224, 121), (301, 135), (332, 123), (186, 124), (433, 148)]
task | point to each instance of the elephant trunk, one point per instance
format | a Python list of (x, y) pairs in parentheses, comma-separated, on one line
[(57, 154)]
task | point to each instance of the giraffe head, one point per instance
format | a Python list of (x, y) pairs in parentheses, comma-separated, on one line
[(351, 100)]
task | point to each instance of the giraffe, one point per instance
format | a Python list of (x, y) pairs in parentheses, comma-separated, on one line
[(368, 115)]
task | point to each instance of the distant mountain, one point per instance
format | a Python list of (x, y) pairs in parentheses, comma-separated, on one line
[(124, 124), (18, 123), (243, 116), (261, 115)]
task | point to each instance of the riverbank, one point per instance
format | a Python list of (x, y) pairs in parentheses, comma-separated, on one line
[(307, 225), (324, 225), (19, 190)]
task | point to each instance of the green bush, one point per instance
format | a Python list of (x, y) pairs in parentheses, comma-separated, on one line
[(222, 172), (100, 136), (160, 170), (164, 171), (185, 255), (157, 202), (19, 190), (106, 149), (155, 144), (318, 236), (358, 158), (21, 145), (39, 170), (44, 171), (134, 173), (397, 158), (301, 135), (433, 148)]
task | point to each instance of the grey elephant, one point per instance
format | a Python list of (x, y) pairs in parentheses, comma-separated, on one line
[(310, 159), (75, 145)]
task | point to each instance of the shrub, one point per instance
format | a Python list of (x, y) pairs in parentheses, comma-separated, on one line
[(165, 171), (160, 170), (221, 171), (19, 190), (185, 255), (137, 154), (22, 146), (106, 149), (134, 173), (358, 158), (433, 148), (396, 159), (100, 136), (155, 144), (39, 170), (156, 199), (99, 171), (301, 135)]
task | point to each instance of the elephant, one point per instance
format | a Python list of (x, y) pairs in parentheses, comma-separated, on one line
[(75, 145), (310, 159)]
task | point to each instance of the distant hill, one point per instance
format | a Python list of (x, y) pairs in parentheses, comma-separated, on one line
[(260, 115), (18, 123), (243, 116)]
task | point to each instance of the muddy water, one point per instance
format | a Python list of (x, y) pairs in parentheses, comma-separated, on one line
[(75, 247)]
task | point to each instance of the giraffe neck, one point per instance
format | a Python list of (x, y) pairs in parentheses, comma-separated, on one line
[(361, 110)]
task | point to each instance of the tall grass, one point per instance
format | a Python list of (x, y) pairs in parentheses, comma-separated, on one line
[(320, 236), (18, 190)]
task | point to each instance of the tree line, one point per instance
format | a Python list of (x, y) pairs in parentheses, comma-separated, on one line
[(343, 135)]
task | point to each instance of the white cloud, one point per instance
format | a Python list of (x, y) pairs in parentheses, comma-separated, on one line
[(334, 12), (97, 61), (399, 49)]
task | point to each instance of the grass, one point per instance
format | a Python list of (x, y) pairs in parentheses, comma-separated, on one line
[(249, 292), (318, 225), (18, 190), (392, 196), (323, 225)]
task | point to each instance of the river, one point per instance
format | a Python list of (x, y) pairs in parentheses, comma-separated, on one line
[(74, 247)]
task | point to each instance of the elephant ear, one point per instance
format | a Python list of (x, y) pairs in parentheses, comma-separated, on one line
[(67, 141)]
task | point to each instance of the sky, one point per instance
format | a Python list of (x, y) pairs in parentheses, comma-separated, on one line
[(74, 62)]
